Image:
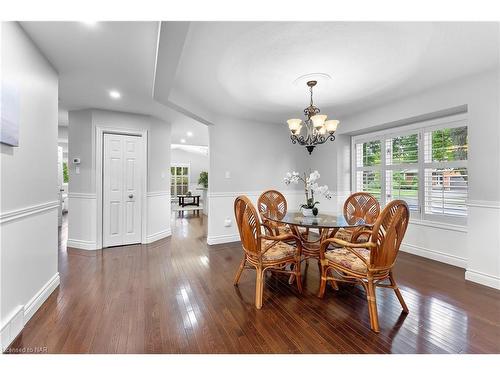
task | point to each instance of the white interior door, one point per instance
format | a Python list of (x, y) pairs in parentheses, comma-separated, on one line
[(122, 189)]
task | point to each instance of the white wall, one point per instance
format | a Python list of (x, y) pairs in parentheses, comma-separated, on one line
[(477, 246), (198, 163), (257, 156), (28, 219), (82, 214)]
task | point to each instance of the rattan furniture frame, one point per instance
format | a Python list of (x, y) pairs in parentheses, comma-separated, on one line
[(251, 233), (383, 242), (360, 205)]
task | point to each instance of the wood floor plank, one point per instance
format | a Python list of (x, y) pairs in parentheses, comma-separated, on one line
[(176, 296)]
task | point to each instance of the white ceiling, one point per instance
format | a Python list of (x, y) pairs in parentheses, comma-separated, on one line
[(182, 124), (247, 69), (91, 60)]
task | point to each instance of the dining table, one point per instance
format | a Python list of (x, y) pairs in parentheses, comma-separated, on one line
[(312, 230)]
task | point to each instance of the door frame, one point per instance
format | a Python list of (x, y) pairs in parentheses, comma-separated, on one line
[(99, 154)]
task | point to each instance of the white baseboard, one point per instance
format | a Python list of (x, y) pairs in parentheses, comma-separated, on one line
[(483, 278), (159, 235), (225, 238), (38, 299), (18, 319), (434, 255), (11, 327), (82, 244)]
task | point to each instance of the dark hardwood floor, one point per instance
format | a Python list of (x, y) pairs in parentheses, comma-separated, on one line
[(176, 296)]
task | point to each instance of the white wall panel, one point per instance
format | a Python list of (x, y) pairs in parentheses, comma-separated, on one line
[(29, 242)]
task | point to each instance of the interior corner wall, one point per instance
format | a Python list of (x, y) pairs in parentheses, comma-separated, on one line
[(475, 247), (247, 157), (29, 194), (82, 207)]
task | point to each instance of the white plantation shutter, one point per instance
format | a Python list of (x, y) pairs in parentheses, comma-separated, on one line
[(446, 191), (445, 168), (424, 165), (401, 176)]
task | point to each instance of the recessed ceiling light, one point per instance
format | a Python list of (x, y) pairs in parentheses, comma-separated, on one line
[(115, 94), (183, 140), (189, 134), (90, 23)]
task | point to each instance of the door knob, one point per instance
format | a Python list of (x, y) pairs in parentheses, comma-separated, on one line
[(131, 196)]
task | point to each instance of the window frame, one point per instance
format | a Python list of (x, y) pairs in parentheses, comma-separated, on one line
[(179, 165), (419, 128)]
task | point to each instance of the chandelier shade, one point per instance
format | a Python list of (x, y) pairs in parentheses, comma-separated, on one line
[(318, 121), (317, 129), (294, 124), (331, 125)]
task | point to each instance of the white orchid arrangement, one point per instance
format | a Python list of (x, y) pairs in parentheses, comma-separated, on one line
[(310, 187)]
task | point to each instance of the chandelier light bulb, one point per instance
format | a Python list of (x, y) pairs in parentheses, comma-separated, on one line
[(297, 131)]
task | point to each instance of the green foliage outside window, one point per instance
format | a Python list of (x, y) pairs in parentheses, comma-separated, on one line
[(449, 144), (371, 153), (65, 172)]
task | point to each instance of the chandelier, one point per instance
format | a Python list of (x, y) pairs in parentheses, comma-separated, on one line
[(317, 128)]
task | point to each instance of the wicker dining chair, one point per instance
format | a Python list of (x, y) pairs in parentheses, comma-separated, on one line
[(369, 263), (272, 202), (358, 206), (264, 252)]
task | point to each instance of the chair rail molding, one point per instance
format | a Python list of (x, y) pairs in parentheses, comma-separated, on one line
[(27, 211), (225, 194), (164, 193), (82, 195), (484, 204)]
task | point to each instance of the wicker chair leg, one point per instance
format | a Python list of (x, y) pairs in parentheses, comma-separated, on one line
[(240, 270), (322, 286), (398, 293), (298, 276), (291, 279), (259, 286), (372, 305)]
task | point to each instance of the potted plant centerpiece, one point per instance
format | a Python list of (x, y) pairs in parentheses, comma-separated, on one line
[(310, 187)]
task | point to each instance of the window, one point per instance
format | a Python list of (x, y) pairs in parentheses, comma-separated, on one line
[(179, 175), (65, 172), (445, 168), (425, 165)]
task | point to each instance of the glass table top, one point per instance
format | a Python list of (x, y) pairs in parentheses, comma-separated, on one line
[(319, 221)]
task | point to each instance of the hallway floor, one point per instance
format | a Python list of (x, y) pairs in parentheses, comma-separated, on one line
[(176, 296)]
